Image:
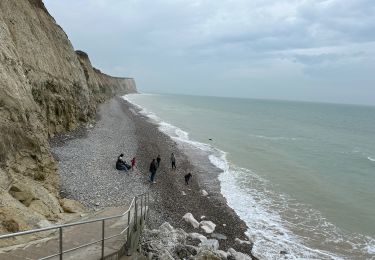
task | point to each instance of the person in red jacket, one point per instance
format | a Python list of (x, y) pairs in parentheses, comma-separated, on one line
[(133, 163)]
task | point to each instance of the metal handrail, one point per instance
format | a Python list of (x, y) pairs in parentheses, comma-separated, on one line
[(60, 227)]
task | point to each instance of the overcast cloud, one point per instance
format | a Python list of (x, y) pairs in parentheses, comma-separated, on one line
[(315, 50)]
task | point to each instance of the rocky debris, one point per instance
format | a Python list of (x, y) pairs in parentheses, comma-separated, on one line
[(241, 242), (170, 243), (218, 236), (207, 226), (238, 255), (198, 236), (210, 243), (188, 217), (204, 193)]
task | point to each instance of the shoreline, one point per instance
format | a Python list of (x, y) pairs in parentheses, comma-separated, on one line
[(168, 201), (142, 138)]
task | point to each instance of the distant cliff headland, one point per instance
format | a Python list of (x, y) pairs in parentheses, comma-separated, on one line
[(46, 88)]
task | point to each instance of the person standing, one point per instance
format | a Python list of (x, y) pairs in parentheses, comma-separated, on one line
[(133, 163), (153, 169), (173, 161), (158, 160)]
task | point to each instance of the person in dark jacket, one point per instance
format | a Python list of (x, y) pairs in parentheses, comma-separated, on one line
[(153, 169), (121, 164), (158, 160)]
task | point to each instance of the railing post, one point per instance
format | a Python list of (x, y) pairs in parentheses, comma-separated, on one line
[(135, 213), (103, 227), (148, 207), (140, 219), (61, 243), (128, 231)]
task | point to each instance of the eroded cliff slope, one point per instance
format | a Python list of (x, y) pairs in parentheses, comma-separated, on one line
[(45, 88)]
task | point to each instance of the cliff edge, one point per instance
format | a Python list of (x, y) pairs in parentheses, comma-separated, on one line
[(45, 88)]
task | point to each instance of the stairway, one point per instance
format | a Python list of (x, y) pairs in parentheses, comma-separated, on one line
[(78, 235)]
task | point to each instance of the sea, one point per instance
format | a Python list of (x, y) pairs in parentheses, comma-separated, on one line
[(301, 175)]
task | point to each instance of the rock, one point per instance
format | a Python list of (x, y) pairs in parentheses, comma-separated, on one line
[(207, 255), (183, 193), (223, 254), (204, 193), (238, 255), (13, 211), (283, 252), (181, 251), (239, 241), (41, 208), (11, 226), (44, 223), (210, 243), (207, 226), (166, 227), (188, 217), (218, 236), (72, 206), (203, 217), (197, 236), (165, 255)]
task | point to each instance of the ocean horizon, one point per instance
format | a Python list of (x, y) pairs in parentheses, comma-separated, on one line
[(300, 174)]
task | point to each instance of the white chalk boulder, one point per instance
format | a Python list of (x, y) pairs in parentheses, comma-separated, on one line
[(210, 244), (239, 241), (188, 217), (204, 193), (197, 236), (238, 255), (207, 226)]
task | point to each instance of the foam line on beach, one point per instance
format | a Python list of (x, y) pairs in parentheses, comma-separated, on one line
[(269, 231)]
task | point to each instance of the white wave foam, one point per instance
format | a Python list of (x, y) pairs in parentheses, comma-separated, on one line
[(371, 159), (267, 229), (274, 138)]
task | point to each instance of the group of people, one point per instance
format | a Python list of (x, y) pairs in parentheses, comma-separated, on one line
[(121, 164), (155, 163)]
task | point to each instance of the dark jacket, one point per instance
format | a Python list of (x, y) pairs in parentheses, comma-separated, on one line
[(153, 166), (120, 165)]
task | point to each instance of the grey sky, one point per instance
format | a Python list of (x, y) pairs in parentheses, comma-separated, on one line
[(315, 50)]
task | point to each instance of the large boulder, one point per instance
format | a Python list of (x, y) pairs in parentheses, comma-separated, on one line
[(72, 206), (188, 217)]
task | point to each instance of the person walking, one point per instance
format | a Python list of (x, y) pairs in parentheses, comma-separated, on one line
[(173, 161), (133, 163), (158, 160), (153, 169)]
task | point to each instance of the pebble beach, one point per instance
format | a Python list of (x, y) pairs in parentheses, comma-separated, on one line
[(87, 157)]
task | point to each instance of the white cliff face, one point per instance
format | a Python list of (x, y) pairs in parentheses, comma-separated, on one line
[(45, 88)]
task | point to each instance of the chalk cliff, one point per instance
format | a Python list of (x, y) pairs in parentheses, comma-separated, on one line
[(45, 88)]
